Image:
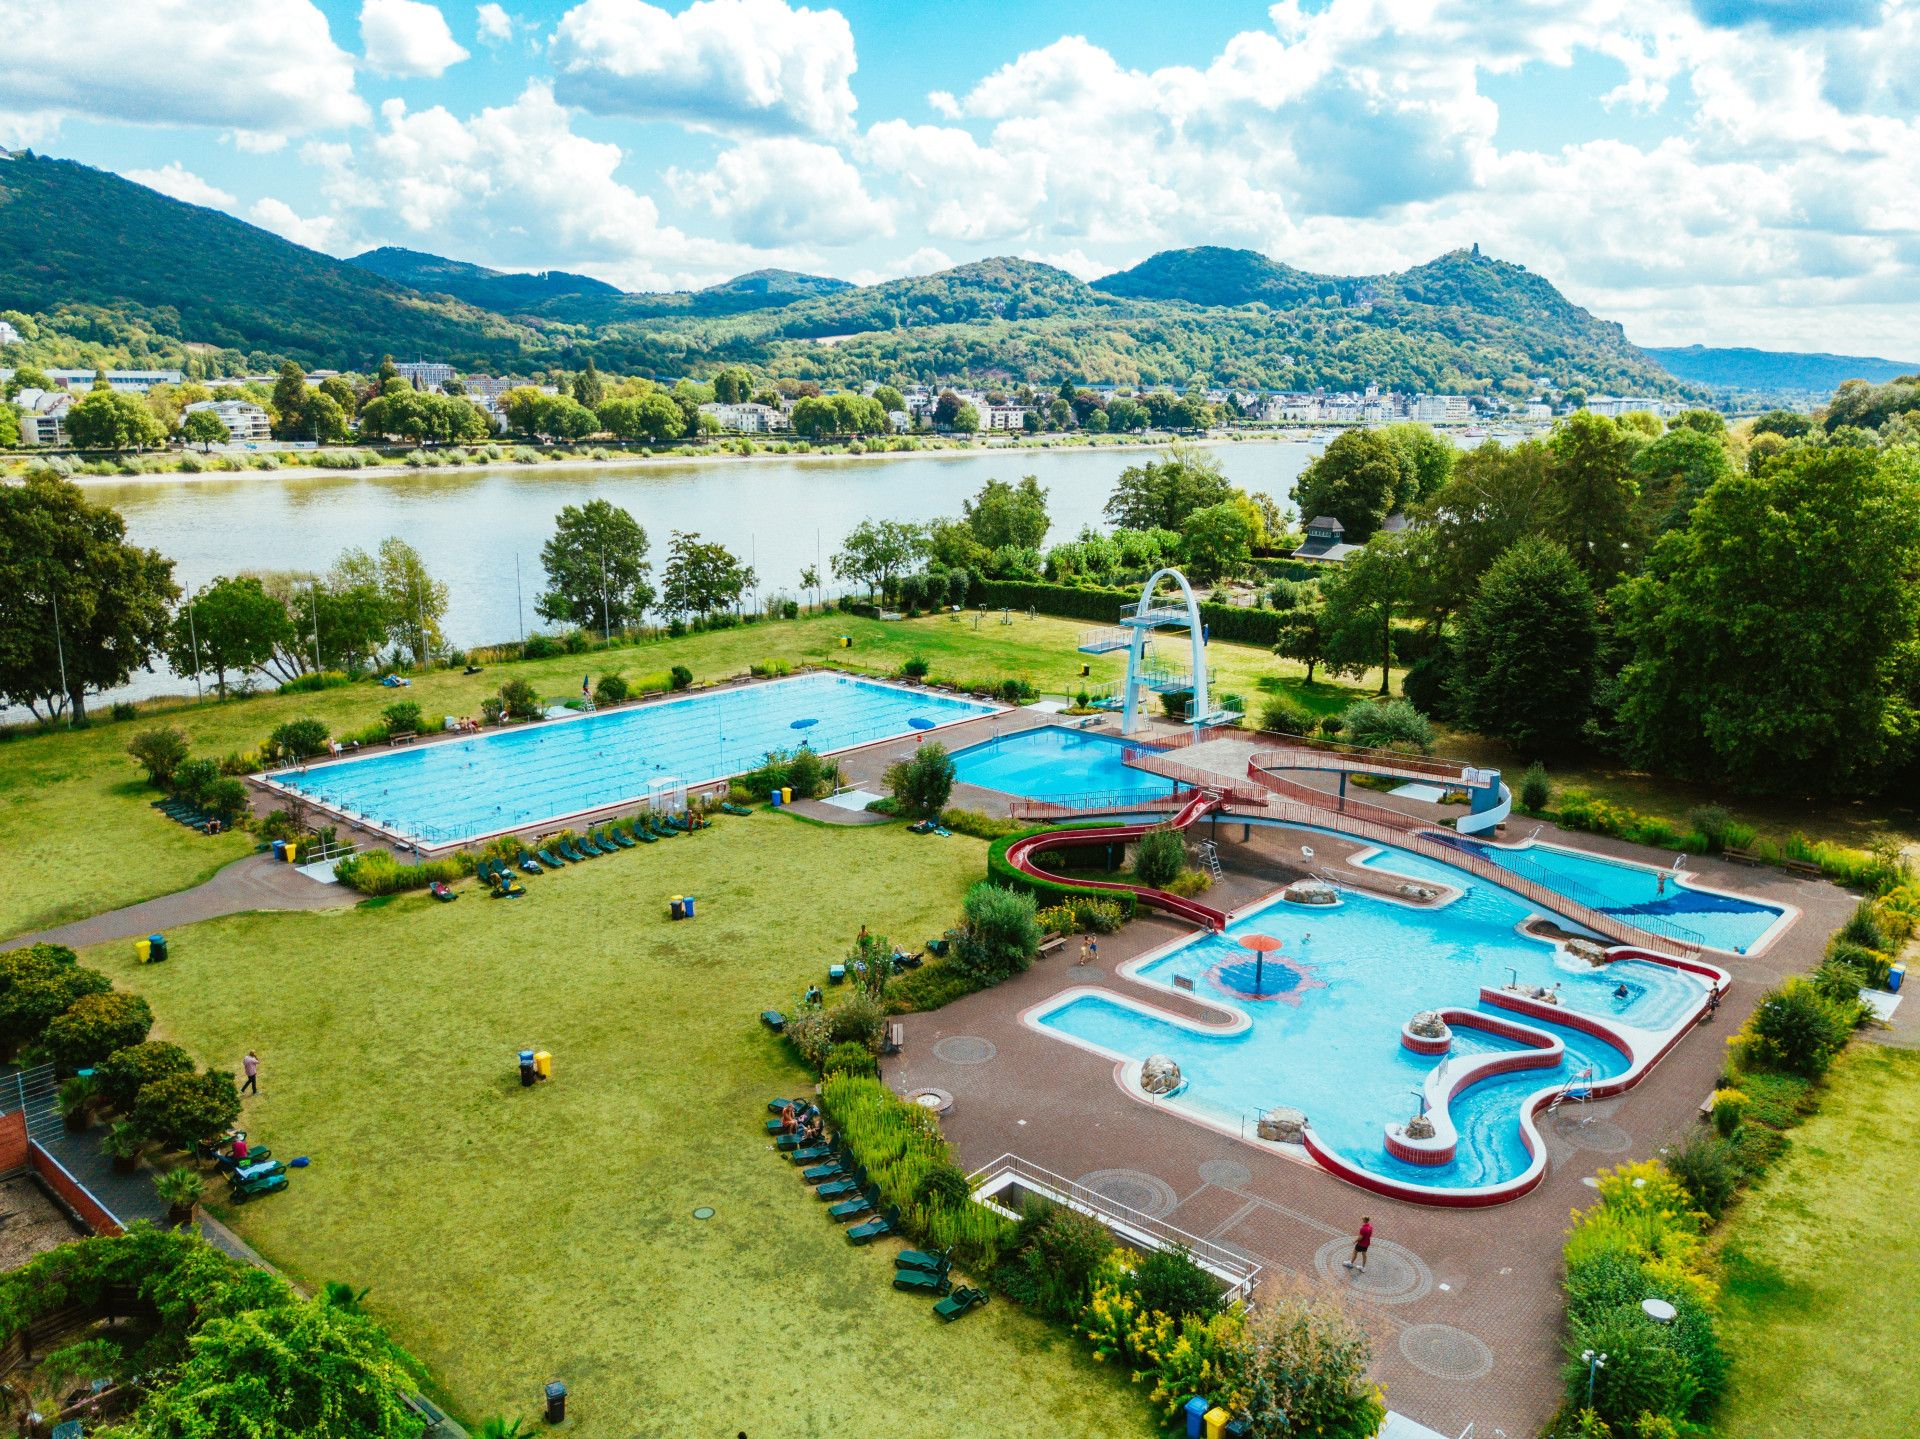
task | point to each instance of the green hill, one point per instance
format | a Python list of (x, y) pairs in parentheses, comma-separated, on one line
[(115, 269), (1776, 370), (73, 235)]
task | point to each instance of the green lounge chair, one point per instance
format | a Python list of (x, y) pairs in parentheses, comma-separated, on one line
[(865, 1202), (875, 1228), (546, 857), (528, 864), (962, 1301), (571, 852), (774, 1106), (843, 1188), (919, 1259), (645, 836), (483, 871), (918, 1281), (624, 840), (587, 847), (731, 808), (662, 829), (826, 1170), (814, 1153)]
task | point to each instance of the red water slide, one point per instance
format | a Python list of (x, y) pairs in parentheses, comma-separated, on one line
[(1202, 803)]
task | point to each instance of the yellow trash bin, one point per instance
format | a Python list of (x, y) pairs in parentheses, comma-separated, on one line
[(143, 948), (293, 853), (1217, 1422), (543, 1064), (786, 794)]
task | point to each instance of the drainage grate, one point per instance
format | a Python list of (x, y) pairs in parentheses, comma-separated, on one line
[(964, 1049), (1226, 1174), (1133, 1189), (1445, 1352)]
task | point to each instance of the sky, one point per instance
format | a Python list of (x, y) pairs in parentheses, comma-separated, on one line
[(1720, 171)]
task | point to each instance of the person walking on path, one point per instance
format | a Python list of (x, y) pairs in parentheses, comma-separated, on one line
[(1086, 952), (1362, 1242), (251, 1064)]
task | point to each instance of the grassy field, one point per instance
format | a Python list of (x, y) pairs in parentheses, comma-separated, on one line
[(514, 1236), (80, 838), (1822, 1269)]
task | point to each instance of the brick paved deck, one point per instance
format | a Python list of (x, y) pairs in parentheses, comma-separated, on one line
[(1464, 1306)]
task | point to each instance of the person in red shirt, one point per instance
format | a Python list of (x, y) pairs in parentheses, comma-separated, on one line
[(1361, 1243)]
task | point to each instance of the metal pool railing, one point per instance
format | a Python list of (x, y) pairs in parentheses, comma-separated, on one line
[(1234, 1269)]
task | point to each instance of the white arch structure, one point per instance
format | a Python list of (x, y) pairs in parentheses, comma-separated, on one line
[(1140, 622)]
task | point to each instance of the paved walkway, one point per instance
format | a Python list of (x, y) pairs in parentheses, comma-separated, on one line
[(254, 883)]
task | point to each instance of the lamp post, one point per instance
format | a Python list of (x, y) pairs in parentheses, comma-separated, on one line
[(1595, 1363)]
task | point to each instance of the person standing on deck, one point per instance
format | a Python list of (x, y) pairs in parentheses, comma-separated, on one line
[(1362, 1242)]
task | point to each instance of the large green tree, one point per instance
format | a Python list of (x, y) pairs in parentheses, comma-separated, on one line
[(412, 602), (1160, 494), (1774, 641), (1527, 648), (876, 552), (1595, 494), (1371, 590), (1003, 514), (80, 608), (109, 420), (1494, 498), (702, 577), (1359, 479), (230, 626), (204, 428), (1428, 459), (597, 571), (1217, 542), (1673, 473), (290, 402), (652, 416)]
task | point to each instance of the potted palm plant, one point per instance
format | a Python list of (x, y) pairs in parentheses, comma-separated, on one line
[(122, 1144), (181, 1189), (75, 1101)]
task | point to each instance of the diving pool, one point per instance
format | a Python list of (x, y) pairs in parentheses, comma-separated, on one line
[(1729, 922), (458, 790), (1053, 762), (1325, 1035)]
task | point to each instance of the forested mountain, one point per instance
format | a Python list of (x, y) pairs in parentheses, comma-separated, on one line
[(70, 234), (111, 266), (1776, 370)]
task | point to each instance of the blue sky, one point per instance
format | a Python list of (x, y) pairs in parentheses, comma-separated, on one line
[(1737, 171)]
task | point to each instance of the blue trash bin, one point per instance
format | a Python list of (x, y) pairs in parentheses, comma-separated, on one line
[(279, 850), (158, 948), (556, 1403), (776, 799), (689, 903), (1197, 1408), (1895, 978)]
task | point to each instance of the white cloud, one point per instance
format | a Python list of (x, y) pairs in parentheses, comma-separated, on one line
[(927, 260), (493, 24), (786, 192), (175, 180), (407, 38), (738, 67), (320, 232), (265, 65), (512, 186), (256, 142)]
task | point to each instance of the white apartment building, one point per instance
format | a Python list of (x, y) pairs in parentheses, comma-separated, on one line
[(131, 382), (1442, 409), (424, 374), (1536, 410), (1002, 417), (245, 422), (747, 418), (8, 335), (43, 416), (1616, 405)]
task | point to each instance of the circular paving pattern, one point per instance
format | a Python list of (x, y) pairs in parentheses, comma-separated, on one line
[(703, 1212), (1394, 1273), (1226, 1174), (1445, 1352), (964, 1049), (1598, 1136), (1147, 1193)]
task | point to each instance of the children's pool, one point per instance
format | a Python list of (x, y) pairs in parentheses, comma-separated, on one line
[(1055, 762), (1723, 921), (1327, 1039), (506, 779)]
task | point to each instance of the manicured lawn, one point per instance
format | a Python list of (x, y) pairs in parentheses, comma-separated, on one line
[(1822, 1269), (513, 1236), (80, 838)]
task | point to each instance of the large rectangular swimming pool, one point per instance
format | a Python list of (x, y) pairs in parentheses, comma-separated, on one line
[(441, 794)]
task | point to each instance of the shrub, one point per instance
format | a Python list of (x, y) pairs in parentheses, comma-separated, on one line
[(849, 1058), (1729, 1108), (610, 690), (1332, 726), (1707, 1170), (159, 752), (1644, 1371), (815, 1031), (1536, 790), (125, 1072), (1387, 724), (922, 784), (1168, 1281), (225, 799), (94, 1027), (680, 677), (1863, 928), (519, 700), (1000, 936), (1159, 857), (973, 822), (1014, 690), (180, 1110), (310, 684), (192, 778), (1870, 965), (914, 668), (377, 872), (1796, 1030), (38, 984), (541, 647), (1308, 1373), (402, 717), (1711, 822), (1282, 714), (806, 773), (929, 987), (298, 739), (1057, 1253)]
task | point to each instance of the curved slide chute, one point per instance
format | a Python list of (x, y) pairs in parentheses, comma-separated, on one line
[(1202, 803)]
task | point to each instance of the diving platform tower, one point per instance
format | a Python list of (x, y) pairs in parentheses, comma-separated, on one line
[(1135, 631)]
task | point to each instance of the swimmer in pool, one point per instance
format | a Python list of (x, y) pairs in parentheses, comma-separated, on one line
[(1620, 991)]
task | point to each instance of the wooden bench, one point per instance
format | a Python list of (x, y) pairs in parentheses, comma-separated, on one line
[(1792, 866), (424, 1407), (1047, 947), (399, 737)]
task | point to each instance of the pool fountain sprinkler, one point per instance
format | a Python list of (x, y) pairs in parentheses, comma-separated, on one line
[(1262, 945)]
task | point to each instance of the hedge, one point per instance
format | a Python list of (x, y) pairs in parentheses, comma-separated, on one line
[(1232, 623), (1050, 891)]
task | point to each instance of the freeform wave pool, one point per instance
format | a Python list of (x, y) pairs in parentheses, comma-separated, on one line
[(1055, 762), (1325, 1035), (458, 790)]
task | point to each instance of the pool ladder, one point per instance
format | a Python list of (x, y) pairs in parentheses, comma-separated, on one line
[(1580, 1090), (1210, 852)]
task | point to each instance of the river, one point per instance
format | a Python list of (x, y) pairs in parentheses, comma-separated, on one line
[(474, 525)]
